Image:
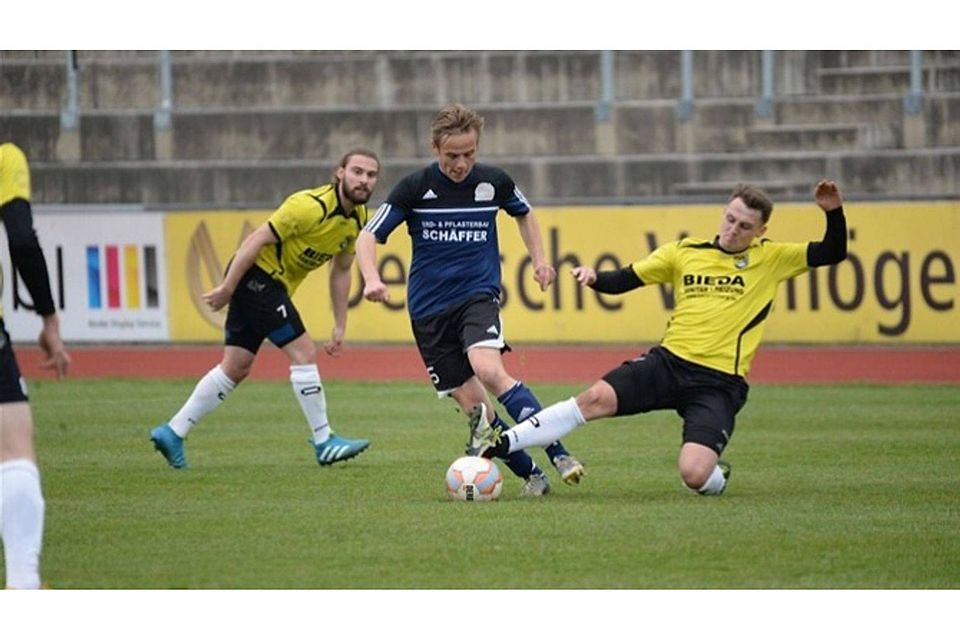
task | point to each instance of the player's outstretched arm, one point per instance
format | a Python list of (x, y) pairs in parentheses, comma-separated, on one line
[(833, 247), (618, 281)]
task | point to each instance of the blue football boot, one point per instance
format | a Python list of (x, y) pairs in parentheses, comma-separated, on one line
[(170, 445), (336, 449)]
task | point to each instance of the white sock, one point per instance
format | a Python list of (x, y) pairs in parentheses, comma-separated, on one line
[(21, 522), (714, 484), (305, 379), (209, 394), (547, 426)]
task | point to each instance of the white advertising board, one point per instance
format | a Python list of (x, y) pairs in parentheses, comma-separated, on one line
[(107, 274)]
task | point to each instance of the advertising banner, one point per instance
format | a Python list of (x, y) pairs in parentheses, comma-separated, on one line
[(200, 244), (898, 285), (107, 274)]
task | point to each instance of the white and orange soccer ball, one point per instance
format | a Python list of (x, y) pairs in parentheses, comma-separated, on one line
[(474, 479)]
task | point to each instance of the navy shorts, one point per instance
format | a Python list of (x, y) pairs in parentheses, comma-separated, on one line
[(443, 340), (12, 386), (261, 309), (706, 399)]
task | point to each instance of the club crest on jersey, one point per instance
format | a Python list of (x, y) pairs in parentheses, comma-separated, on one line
[(741, 262), (484, 192)]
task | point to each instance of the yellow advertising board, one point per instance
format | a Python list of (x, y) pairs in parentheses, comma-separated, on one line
[(201, 243), (898, 285)]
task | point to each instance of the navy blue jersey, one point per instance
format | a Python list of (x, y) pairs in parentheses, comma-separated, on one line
[(453, 230)]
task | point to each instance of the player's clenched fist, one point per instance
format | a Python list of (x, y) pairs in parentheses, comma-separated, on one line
[(827, 195)]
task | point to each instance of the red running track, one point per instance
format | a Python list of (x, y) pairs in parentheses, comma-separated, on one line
[(576, 364)]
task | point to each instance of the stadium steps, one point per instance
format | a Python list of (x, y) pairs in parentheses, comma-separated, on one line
[(242, 119), (640, 127), (720, 190), (822, 136), (130, 79), (546, 180), (937, 77)]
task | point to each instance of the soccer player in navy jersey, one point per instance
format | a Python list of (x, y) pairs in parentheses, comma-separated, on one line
[(21, 499), (311, 228), (724, 290), (453, 292)]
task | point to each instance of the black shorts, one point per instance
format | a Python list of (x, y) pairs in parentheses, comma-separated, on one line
[(706, 399), (443, 340), (12, 386), (261, 309)]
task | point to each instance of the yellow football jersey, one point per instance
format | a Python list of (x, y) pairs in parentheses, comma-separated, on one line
[(14, 174), (312, 227), (14, 181), (720, 299)]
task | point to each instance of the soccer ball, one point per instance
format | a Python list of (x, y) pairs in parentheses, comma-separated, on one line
[(474, 479)]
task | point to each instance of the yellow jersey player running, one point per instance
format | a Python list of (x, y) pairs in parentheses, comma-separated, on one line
[(724, 290), (312, 227)]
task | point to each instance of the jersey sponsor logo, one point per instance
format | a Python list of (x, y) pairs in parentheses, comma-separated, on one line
[(429, 195), (455, 235), (741, 262), (484, 192), (455, 230), (313, 258), (733, 281)]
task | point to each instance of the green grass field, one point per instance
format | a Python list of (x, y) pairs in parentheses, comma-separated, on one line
[(832, 487)]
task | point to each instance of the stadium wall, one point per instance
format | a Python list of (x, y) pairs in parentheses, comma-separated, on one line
[(125, 275)]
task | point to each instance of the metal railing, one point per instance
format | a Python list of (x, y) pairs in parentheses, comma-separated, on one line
[(69, 115), (605, 106), (684, 109), (913, 102), (163, 117)]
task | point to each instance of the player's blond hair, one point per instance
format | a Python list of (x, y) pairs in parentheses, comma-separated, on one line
[(755, 199), (454, 119)]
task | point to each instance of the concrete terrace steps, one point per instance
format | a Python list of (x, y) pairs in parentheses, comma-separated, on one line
[(722, 188), (936, 77), (111, 79), (545, 180), (511, 130), (823, 136), (250, 126)]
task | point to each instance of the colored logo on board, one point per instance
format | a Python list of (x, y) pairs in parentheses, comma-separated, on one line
[(122, 277)]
